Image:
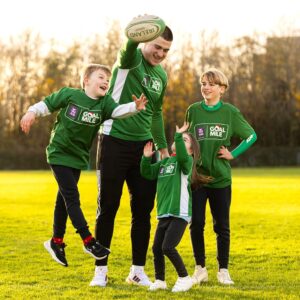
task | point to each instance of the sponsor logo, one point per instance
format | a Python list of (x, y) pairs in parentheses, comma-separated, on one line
[(90, 117), (152, 83), (82, 115), (211, 131), (73, 111), (168, 170)]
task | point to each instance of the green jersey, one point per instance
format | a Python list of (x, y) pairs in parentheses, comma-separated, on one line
[(133, 75), (173, 181), (214, 127), (77, 123)]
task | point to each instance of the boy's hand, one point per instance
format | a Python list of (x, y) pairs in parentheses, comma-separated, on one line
[(184, 127), (225, 153), (27, 120), (148, 152), (140, 102)]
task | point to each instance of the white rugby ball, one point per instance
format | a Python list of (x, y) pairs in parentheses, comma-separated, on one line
[(145, 28)]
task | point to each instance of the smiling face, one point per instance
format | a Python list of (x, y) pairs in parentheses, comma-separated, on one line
[(211, 91), (96, 84), (156, 51)]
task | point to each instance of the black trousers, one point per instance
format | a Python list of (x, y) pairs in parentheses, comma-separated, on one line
[(219, 202), (67, 202), (168, 234), (119, 161)]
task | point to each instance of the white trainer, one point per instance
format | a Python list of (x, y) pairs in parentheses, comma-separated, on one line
[(183, 284), (158, 285), (200, 275), (138, 276), (100, 277), (224, 277)]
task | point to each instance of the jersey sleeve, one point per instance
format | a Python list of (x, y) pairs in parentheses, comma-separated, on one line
[(57, 100), (183, 158), (108, 107), (157, 127), (148, 170), (128, 56), (243, 130)]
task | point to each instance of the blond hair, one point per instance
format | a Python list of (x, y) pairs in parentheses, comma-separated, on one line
[(91, 68), (215, 76)]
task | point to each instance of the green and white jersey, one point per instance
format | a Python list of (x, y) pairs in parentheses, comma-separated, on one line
[(173, 182), (214, 127), (133, 75), (77, 123)]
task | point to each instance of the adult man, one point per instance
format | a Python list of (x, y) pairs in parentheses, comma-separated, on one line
[(120, 148)]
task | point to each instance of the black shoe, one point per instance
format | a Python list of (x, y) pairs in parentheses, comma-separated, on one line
[(57, 252), (95, 249)]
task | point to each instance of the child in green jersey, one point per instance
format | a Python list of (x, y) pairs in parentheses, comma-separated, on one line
[(80, 113), (174, 203), (213, 123)]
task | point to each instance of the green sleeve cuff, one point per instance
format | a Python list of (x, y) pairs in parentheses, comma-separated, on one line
[(244, 145)]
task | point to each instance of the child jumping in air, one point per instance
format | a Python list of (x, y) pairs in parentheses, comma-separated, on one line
[(175, 175), (80, 114)]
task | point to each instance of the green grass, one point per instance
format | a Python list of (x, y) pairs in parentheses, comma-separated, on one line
[(265, 249)]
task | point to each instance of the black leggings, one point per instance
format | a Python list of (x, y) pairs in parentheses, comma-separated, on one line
[(168, 234), (219, 202), (67, 202), (119, 161)]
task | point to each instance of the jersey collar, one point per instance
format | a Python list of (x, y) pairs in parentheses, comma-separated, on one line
[(211, 108)]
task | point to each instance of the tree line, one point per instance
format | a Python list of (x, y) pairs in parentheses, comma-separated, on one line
[(263, 75)]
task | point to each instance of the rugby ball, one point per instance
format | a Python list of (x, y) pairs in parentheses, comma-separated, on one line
[(145, 28)]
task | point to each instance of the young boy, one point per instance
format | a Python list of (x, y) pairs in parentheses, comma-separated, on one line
[(214, 123), (80, 113)]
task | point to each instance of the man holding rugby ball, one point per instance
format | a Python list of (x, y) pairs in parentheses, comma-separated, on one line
[(121, 142)]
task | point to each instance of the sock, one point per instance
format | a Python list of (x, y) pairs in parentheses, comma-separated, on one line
[(137, 268), (57, 240), (87, 239)]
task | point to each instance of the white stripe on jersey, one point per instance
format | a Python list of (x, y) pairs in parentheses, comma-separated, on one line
[(184, 196), (116, 94)]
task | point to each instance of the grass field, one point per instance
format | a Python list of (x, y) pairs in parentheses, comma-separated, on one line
[(265, 249)]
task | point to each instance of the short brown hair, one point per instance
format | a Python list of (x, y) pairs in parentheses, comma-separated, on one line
[(215, 76), (91, 68), (167, 34)]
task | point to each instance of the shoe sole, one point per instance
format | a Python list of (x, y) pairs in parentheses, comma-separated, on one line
[(49, 249), (91, 254), (100, 285), (195, 281)]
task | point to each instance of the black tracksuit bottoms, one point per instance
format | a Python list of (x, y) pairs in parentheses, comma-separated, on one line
[(118, 161), (219, 202), (68, 202), (168, 234)]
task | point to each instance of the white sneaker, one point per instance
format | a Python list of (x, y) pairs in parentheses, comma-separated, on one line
[(200, 275), (100, 277), (183, 284), (158, 285), (137, 276), (224, 277)]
